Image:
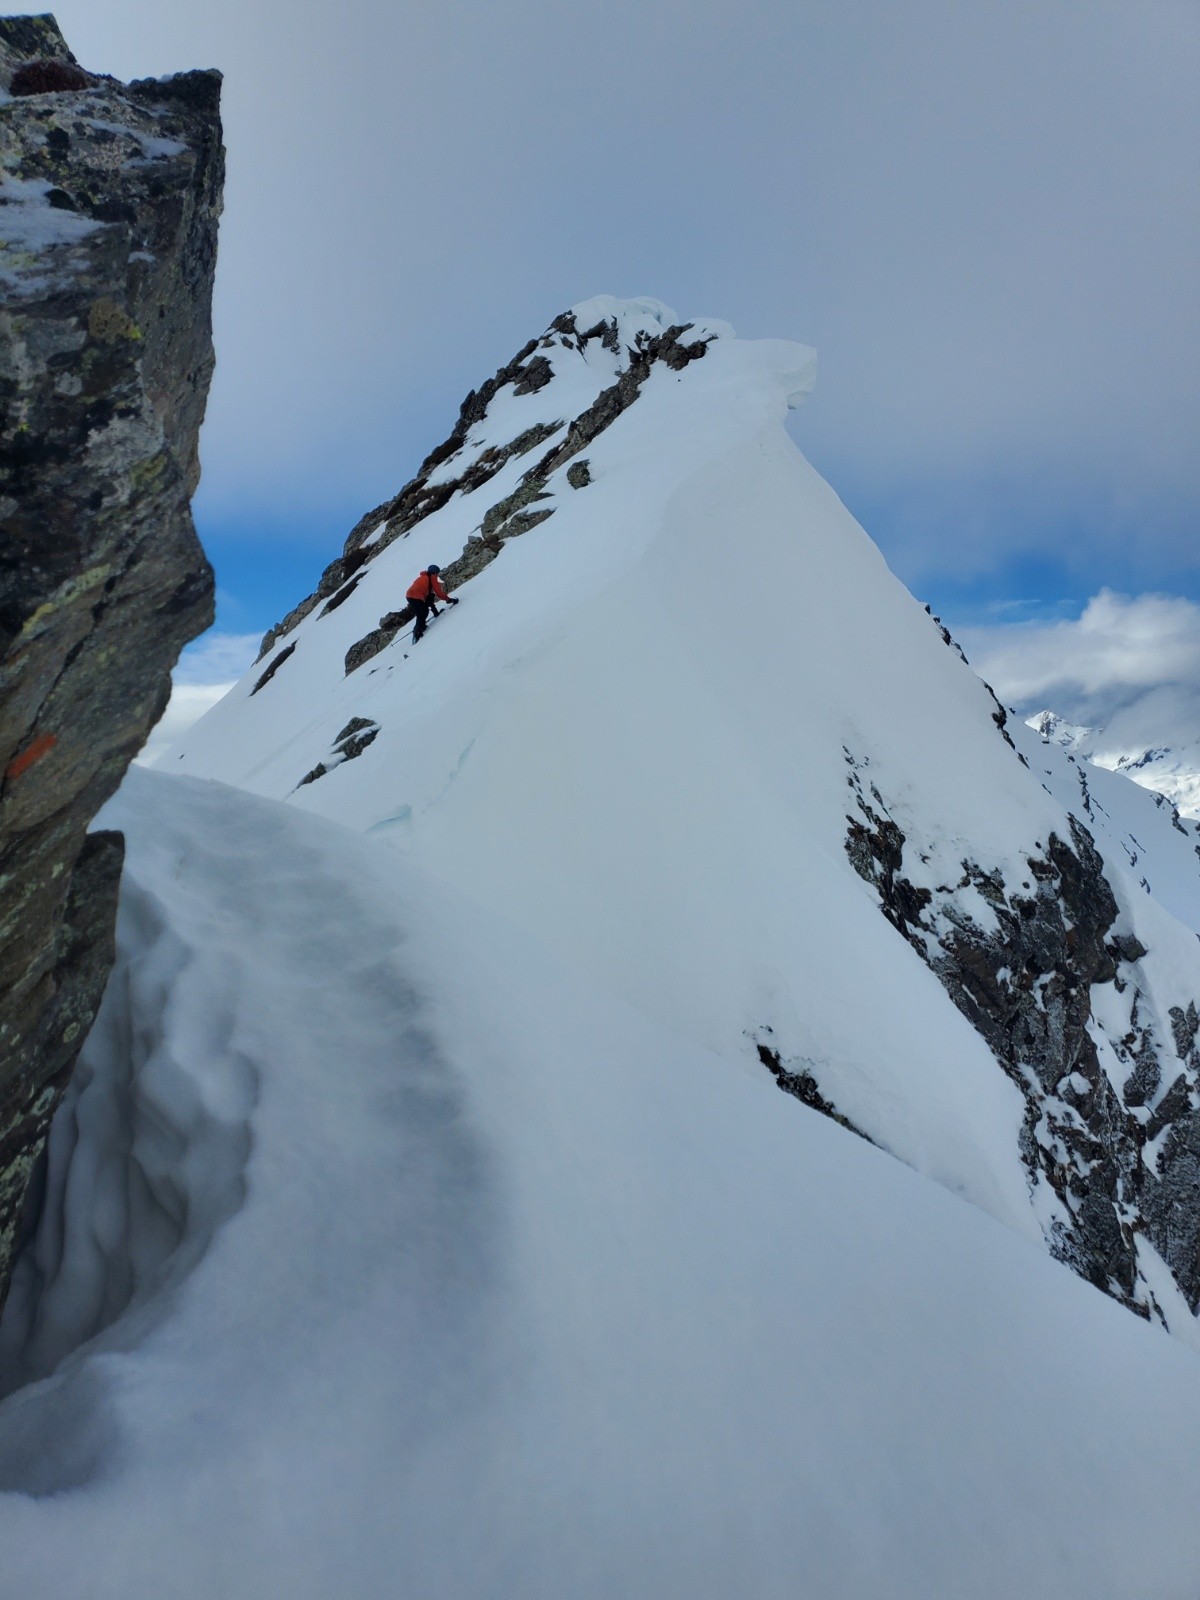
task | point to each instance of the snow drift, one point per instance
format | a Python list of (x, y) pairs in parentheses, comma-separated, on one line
[(529, 1295), (427, 1217)]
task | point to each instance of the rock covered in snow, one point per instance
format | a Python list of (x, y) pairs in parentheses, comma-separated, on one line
[(109, 198), (1039, 969)]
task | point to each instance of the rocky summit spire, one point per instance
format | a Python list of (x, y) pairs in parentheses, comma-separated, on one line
[(109, 199)]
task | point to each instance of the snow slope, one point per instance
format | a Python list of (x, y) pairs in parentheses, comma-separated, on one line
[(466, 1278), (643, 737)]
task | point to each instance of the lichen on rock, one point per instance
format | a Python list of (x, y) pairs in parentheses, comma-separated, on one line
[(109, 199)]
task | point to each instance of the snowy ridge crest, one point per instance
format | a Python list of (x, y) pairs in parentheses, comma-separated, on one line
[(527, 1287), (546, 406)]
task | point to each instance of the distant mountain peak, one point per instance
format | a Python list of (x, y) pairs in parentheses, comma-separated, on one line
[(1167, 770), (1071, 735)]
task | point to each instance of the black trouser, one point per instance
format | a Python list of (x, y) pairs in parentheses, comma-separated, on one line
[(422, 608)]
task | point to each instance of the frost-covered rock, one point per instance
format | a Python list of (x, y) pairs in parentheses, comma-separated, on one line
[(1060, 995), (602, 352), (109, 196)]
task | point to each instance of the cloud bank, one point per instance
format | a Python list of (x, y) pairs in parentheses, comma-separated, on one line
[(983, 217), (1129, 665)]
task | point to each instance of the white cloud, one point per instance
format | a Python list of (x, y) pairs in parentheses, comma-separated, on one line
[(206, 671), (1128, 664), (187, 704), (216, 657)]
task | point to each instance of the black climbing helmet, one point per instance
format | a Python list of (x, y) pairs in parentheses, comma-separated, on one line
[(433, 569)]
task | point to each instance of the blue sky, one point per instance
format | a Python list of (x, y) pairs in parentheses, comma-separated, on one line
[(984, 217)]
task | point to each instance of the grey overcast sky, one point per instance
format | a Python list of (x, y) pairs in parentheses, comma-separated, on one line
[(984, 214)]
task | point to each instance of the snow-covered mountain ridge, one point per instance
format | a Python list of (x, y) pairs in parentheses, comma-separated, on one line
[(619, 342), (690, 729), (1172, 773), (425, 1216)]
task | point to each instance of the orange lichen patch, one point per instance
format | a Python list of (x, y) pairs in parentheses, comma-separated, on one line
[(33, 751)]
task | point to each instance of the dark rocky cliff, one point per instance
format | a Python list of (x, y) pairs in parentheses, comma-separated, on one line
[(1110, 1142), (109, 199)]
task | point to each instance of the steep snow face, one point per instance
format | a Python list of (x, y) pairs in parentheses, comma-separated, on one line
[(1172, 773), (506, 1290), (688, 730)]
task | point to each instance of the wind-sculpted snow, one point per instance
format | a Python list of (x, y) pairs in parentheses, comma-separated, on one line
[(259, 1054), (147, 1155), (509, 1290), (631, 740)]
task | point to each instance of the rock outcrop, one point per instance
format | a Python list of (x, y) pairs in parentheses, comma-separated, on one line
[(516, 513), (1111, 1136), (355, 737), (109, 199)]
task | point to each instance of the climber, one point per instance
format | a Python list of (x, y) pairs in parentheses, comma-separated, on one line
[(422, 593)]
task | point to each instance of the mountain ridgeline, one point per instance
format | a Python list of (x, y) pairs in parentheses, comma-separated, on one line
[(689, 728), (470, 469)]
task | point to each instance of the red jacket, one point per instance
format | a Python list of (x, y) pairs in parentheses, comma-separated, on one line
[(428, 586)]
